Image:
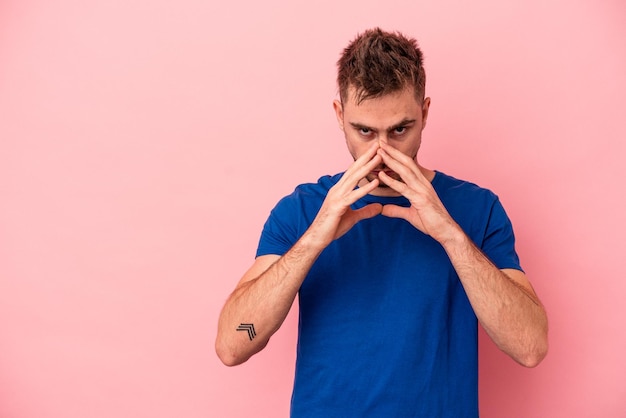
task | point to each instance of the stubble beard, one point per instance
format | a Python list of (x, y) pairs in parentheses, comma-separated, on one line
[(371, 177)]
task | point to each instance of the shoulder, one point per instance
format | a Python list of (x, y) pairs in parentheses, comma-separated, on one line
[(321, 187), (308, 196), (473, 207), (447, 182), (456, 190), (311, 192)]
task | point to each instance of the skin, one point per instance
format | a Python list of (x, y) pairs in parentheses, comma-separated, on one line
[(384, 135), (395, 119)]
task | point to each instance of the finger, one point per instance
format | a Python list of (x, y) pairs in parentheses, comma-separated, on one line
[(370, 151), (352, 217), (404, 166), (401, 163), (367, 156), (351, 179), (358, 193), (396, 185), (362, 171), (348, 197), (367, 188), (361, 168), (368, 211), (396, 154), (400, 212), (395, 211)]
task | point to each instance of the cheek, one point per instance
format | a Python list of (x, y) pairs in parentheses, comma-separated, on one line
[(356, 148), (409, 148)]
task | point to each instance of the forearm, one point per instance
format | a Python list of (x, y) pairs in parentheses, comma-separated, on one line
[(510, 313), (265, 294), (262, 304)]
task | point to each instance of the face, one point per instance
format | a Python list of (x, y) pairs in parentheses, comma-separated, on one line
[(396, 118)]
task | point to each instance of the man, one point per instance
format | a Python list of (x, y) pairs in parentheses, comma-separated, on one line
[(394, 264)]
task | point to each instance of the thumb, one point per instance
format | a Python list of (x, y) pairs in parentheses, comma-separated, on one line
[(354, 216), (368, 211), (395, 211)]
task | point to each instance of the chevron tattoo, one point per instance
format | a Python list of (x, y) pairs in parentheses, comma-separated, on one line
[(249, 328)]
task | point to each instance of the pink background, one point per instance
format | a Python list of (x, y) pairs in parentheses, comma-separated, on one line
[(143, 143)]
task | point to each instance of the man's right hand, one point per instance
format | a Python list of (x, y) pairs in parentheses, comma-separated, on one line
[(336, 217), (266, 292)]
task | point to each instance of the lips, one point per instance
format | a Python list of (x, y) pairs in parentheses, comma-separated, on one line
[(390, 173)]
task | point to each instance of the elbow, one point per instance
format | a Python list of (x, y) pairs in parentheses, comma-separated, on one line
[(537, 349), (533, 359), (535, 355), (227, 356), (231, 355), (227, 359)]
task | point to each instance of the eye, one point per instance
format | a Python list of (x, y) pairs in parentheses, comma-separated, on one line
[(365, 131), (399, 130)]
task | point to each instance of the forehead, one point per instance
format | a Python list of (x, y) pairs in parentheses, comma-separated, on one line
[(382, 111)]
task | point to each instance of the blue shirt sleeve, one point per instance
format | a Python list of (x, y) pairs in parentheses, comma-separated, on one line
[(279, 233), (499, 240)]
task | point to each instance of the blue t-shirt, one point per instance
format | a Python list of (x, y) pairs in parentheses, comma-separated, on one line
[(385, 327)]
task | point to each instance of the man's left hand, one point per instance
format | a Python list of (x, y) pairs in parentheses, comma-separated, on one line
[(426, 212)]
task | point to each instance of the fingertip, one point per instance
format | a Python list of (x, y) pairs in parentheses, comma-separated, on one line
[(373, 209), (390, 211), (370, 186), (376, 206)]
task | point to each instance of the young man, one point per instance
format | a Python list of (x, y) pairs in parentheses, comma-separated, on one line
[(394, 264)]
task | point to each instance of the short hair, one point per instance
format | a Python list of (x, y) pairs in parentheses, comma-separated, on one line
[(377, 63)]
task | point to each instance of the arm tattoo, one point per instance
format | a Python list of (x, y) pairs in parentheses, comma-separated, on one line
[(249, 328)]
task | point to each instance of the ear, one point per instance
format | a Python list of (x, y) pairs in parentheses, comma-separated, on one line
[(338, 112), (425, 108)]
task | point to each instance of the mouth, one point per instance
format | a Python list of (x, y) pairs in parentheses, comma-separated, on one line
[(374, 175), (387, 171)]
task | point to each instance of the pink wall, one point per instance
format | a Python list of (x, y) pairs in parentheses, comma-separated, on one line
[(143, 143)]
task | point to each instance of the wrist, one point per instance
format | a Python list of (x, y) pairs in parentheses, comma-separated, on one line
[(310, 243), (454, 238)]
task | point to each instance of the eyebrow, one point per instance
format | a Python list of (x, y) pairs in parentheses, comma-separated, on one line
[(400, 124)]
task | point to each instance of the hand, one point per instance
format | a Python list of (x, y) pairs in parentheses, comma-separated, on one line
[(426, 212), (335, 217)]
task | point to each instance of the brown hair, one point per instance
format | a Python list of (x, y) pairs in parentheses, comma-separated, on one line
[(378, 63)]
